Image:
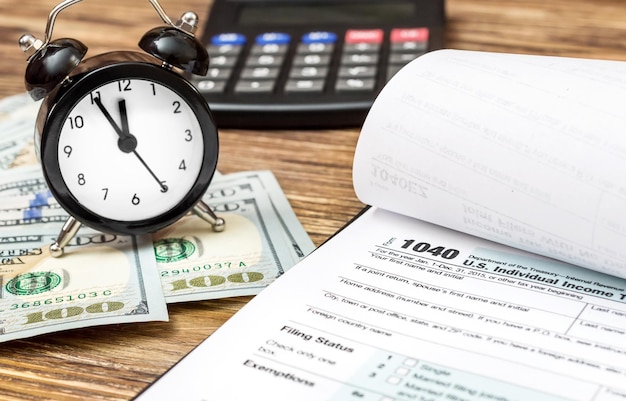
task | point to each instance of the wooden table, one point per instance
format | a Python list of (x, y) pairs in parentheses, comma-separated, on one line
[(313, 167)]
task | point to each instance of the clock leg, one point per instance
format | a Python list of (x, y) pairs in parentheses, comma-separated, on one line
[(205, 213), (66, 234)]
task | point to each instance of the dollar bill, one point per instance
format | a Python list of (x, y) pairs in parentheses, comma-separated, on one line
[(196, 263), (101, 279), (295, 237)]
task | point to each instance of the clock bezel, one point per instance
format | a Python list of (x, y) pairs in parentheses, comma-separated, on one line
[(80, 86)]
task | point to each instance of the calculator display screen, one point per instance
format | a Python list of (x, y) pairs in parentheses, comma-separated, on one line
[(326, 13)]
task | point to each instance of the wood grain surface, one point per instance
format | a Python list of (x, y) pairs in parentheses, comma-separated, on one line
[(313, 167)]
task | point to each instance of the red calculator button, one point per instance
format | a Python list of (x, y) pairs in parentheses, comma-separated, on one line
[(409, 35), (364, 36)]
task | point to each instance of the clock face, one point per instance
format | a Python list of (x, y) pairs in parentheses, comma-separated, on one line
[(130, 150)]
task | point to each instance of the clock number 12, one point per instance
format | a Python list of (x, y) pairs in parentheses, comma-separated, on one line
[(124, 85)]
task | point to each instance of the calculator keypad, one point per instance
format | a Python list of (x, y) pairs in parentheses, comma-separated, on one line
[(357, 64), (311, 63)]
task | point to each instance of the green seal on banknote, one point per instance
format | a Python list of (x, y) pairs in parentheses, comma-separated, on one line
[(169, 250), (33, 283)]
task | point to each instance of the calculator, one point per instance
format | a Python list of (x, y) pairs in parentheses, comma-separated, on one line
[(310, 63)]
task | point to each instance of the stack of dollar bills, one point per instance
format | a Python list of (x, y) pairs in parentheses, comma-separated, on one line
[(107, 279)]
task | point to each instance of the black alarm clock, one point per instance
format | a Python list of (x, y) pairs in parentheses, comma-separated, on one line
[(127, 145)]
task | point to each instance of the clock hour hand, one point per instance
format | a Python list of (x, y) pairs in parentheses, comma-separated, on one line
[(127, 141)]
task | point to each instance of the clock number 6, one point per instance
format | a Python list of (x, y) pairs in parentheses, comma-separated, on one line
[(135, 201)]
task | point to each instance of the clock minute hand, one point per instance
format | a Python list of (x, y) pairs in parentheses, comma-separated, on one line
[(127, 141), (164, 187)]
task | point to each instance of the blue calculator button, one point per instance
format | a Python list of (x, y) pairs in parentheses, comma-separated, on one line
[(273, 38), (319, 37), (228, 39)]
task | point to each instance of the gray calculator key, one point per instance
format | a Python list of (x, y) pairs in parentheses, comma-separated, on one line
[(223, 61), (270, 48), (402, 58), (264, 60), (361, 47), (354, 84), (304, 85), (317, 48), (311, 59), (358, 71), (308, 72), (210, 86), (421, 46), (359, 59), (260, 86), (259, 73), (219, 73), (224, 50)]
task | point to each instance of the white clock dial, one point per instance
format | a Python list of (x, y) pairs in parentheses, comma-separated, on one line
[(130, 150)]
